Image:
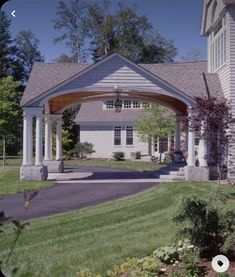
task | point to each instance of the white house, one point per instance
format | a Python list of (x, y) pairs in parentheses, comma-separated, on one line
[(110, 131)]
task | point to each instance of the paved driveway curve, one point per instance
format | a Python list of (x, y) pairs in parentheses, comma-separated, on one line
[(68, 196)]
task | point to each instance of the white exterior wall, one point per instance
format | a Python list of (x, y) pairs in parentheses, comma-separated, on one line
[(227, 73), (102, 137)]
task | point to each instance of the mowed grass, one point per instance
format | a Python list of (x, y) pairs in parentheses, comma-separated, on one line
[(137, 165), (10, 182), (101, 236)]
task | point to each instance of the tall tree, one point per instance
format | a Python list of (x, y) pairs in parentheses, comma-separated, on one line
[(27, 51), (157, 121), (213, 116), (9, 63), (128, 33), (73, 22), (10, 112), (101, 27)]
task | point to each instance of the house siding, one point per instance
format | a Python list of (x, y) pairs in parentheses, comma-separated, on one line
[(102, 137), (118, 72), (227, 77)]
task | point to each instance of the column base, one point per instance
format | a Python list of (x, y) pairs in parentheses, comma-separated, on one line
[(54, 166), (38, 173), (194, 173)]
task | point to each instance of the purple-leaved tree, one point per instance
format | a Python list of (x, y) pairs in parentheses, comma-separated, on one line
[(213, 117)]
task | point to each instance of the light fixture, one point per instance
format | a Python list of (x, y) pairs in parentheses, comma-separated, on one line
[(118, 102)]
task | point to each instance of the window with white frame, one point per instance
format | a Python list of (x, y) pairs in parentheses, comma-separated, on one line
[(117, 135), (136, 104), (218, 46), (129, 135), (127, 104), (109, 104)]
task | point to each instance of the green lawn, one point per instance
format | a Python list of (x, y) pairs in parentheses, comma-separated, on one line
[(101, 236), (10, 181), (139, 165), (11, 161)]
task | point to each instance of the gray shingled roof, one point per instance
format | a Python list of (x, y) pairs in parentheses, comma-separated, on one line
[(45, 76), (93, 112), (186, 76)]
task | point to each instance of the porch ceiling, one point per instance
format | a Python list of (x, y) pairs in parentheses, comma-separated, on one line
[(59, 103)]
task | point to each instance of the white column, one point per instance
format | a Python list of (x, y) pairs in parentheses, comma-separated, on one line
[(158, 145), (177, 134), (169, 143), (27, 138), (38, 141), (191, 144), (30, 140), (48, 138), (202, 150), (59, 140)]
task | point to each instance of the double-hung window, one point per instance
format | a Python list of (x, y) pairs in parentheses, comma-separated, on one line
[(117, 135), (129, 135)]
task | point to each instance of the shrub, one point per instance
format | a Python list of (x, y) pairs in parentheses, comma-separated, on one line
[(166, 254), (147, 266), (119, 156), (208, 226), (130, 268), (82, 149)]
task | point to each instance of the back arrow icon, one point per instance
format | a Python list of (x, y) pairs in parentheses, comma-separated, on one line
[(13, 13)]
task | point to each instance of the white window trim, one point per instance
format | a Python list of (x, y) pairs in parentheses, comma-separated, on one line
[(126, 127), (119, 126), (218, 59)]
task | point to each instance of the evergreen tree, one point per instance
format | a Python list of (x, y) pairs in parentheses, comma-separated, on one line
[(10, 66)]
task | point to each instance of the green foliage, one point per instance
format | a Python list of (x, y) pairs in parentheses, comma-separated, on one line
[(10, 65), (119, 156), (27, 51), (72, 21), (18, 228), (82, 149), (158, 121), (147, 266), (107, 31), (190, 260), (167, 254), (71, 129), (206, 225), (10, 113)]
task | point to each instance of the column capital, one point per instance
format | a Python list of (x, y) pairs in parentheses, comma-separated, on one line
[(38, 112), (28, 112), (48, 117)]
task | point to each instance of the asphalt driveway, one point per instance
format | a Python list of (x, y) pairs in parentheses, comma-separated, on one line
[(66, 197)]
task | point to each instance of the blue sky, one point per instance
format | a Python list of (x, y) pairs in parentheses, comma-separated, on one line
[(176, 19)]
